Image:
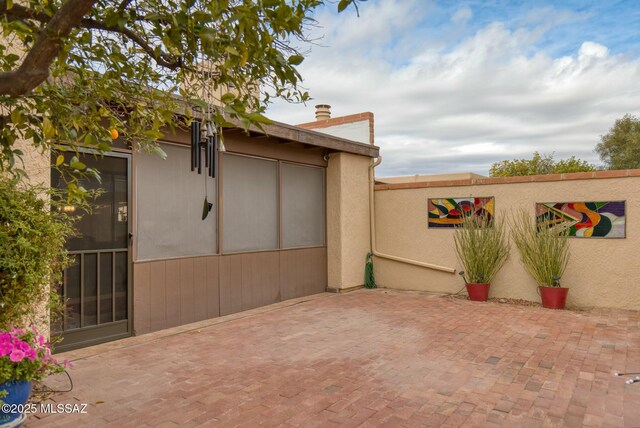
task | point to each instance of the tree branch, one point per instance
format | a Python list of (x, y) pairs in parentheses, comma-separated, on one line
[(22, 12), (124, 4), (164, 60), (35, 67)]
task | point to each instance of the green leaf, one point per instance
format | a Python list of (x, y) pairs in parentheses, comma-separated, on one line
[(16, 116), (22, 27), (154, 134), (48, 129), (77, 165), (199, 103), (92, 172), (296, 59), (158, 150), (59, 160), (343, 5), (90, 140), (231, 50), (104, 147), (258, 118), (227, 98)]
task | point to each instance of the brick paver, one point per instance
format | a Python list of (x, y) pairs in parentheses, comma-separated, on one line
[(367, 358)]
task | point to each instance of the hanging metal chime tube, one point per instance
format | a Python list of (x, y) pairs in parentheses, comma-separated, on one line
[(195, 143)]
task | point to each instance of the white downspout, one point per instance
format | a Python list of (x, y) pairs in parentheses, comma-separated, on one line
[(372, 215)]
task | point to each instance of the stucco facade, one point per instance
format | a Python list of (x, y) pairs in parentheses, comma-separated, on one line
[(127, 292), (37, 164), (601, 272), (348, 234)]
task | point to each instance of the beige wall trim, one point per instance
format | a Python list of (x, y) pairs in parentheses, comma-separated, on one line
[(344, 290), (164, 259), (373, 230), (511, 180), (229, 254)]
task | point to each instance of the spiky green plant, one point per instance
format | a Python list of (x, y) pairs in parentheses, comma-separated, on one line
[(482, 247), (544, 251), (369, 277)]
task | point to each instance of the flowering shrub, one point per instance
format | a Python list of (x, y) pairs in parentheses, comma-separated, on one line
[(32, 238), (26, 355)]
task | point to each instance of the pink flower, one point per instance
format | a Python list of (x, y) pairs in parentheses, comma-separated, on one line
[(16, 355), (23, 346), (5, 349)]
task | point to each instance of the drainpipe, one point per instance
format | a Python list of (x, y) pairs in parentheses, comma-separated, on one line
[(372, 215)]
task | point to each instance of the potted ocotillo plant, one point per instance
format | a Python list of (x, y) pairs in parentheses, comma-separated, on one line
[(482, 247), (544, 251)]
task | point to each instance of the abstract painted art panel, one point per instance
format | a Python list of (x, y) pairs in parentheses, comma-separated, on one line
[(585, 219), (449, 212)]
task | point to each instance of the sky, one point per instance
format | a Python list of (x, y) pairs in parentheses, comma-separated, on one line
[(457, 85)]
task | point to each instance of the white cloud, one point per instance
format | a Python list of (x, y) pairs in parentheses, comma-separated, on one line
[(462, 15), (591, 50), (492, 96)]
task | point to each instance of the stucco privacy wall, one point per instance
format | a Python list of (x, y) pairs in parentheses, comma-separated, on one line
[(348, 235), (36, 163), (38, 167), (601, 272)]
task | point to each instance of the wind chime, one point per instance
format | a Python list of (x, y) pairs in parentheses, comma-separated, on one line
[(204, 137)]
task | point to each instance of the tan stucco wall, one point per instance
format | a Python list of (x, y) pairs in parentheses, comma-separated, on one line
[(37, 166), (36, 163), (348, 231), (601, 272)]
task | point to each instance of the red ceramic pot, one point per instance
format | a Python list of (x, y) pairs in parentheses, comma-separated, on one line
[(478, 292), (553, 297)]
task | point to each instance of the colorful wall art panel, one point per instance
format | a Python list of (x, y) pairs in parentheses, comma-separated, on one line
[(450, 212), (585, 219)]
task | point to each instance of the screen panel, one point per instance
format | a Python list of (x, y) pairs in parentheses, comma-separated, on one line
[(106, 225), (249, 204), (170, 200), (303, 206)]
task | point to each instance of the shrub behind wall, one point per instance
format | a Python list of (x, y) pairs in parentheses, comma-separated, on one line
[(32, 254)]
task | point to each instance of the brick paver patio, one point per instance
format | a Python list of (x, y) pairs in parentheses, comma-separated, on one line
[(367, 358)]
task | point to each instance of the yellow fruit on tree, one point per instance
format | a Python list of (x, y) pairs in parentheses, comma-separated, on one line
[(114, 134)]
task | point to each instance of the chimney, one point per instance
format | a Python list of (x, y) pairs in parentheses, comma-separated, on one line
[(323, 112)]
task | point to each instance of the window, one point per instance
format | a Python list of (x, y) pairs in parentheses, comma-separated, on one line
[(303, 205), (170, 199), (250, 204)]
